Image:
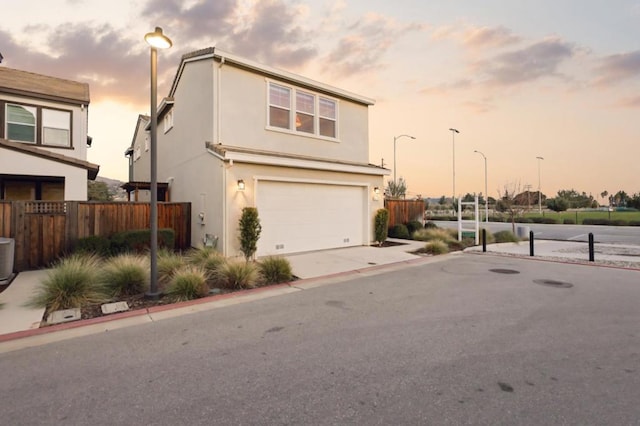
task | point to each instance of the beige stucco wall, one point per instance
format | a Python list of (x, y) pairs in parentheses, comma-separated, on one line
[(243, 107), (237, 200), (75, 178)]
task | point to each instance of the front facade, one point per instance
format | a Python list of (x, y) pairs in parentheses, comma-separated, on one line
[(235, 134), (43, 137)]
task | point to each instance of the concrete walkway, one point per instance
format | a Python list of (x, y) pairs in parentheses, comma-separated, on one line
[(14, 316)]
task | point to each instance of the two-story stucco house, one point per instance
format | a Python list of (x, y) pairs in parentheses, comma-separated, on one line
[(43, 137), (234, 133)]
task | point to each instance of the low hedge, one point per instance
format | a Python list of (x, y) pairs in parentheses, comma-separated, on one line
[(139, 240), (399, 231)]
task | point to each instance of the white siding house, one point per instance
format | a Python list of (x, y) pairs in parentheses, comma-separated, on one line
[(234, 133), (43, 137)]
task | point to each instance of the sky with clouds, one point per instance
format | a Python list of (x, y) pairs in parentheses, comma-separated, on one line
[(518, 79)]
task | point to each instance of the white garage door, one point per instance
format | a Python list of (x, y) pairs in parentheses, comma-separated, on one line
[(298, 217)]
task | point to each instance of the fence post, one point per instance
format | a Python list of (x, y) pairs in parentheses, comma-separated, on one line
[(591, 256), (530, 243)]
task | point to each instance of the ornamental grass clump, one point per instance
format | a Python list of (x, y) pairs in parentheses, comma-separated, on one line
[(72, 283), (436, 247), (237, 275), (505, 237), (429, 234), (125, 275), (275, 270), (187, 283), (206, 257), (168, 263)]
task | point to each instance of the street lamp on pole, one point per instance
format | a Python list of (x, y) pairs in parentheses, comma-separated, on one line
[(453, 135), (486, 196), (395, 138), (156, 40), (539, 188)]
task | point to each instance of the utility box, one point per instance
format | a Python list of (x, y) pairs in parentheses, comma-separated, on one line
[(7, 251)]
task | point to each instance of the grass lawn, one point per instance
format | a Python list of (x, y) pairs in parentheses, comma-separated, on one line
[(579, 215)]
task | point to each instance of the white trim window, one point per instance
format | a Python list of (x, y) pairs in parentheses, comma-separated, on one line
[(21, 123), (146, 142), (301, 112), (56, 127)]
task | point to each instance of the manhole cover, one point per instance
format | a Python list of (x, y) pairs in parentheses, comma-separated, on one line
[(504, 271), (554, 283)]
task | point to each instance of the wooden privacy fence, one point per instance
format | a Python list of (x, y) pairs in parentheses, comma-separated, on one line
[(404, 211), (45, 230)]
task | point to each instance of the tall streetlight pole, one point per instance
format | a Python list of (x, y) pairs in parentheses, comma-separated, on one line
[(539, 190), (486, 196), (395, 138), (453, 135), (156, 40)]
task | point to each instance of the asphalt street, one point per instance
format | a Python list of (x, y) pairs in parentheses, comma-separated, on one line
[(602, 234), (472, 339)]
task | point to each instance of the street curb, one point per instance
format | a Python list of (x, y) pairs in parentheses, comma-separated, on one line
[(213, 300)]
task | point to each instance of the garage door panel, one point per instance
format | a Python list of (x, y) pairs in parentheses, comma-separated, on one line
[(300, 217)]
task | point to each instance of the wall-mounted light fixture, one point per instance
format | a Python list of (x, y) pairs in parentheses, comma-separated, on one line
[(376, 190), (240, 185)]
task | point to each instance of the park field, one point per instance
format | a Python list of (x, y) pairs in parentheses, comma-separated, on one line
[(578, 216)]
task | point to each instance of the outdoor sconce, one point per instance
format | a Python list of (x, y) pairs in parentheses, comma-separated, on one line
[(240, 185), (376, 190)]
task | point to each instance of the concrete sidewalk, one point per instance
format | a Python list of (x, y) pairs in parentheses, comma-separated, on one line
[(14, 315)]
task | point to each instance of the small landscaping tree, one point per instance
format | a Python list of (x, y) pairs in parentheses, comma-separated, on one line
[(250, 230), (381, 225)]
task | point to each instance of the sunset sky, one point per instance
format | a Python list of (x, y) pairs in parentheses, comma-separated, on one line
[(519, 79)]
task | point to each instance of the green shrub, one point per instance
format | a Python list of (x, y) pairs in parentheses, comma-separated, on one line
[(168, 263), (93, 244), (250, 229), (237, 275), (73, 282), (428, 234), (381, 225), (568, 221), (414, 226), (505, 237), (595, 221), (126, 274), (274, 270), (188, 283), (634, 223), (399, 231), (618, 222), (549, 220), (430, 225), (435, 247), (139, 240)]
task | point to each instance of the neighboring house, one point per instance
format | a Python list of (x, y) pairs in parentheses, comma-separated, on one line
[(234, 133), (43, 137)]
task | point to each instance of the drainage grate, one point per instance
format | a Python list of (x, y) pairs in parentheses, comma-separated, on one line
[(504, 271), (554, 283)]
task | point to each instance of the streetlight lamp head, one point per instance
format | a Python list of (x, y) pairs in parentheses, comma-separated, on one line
[(540, 158), (455, 130), (158, 40)]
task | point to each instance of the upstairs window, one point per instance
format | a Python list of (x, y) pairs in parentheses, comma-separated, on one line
[(303, 112), (56, 127), (37, 125), (279, 106), (21, 123), (168, 121)]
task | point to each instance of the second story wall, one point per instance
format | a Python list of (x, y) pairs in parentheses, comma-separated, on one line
[(275, 114)]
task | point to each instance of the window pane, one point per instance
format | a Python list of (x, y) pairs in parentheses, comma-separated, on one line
[(305, 102), (279, 117), (19, 191), (52, 191), (327, 128), (279, 96), (327, 108), (57, 137), (304, 123), (19, 132), (21, 114)]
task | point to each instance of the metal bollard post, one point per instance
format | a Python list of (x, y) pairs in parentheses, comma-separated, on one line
[(591, 251), (531, 243), (484, 240)]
